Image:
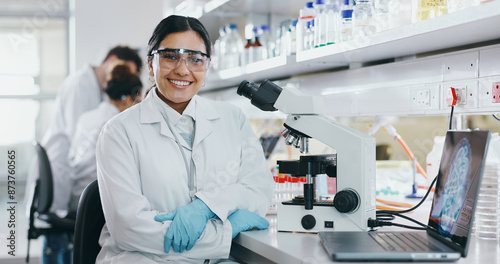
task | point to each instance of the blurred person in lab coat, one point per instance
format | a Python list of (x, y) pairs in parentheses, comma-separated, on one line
[(123, 91), (80, 92), (179, 175)]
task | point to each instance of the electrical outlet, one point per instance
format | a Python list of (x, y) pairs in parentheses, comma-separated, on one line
[(456, 95), (423, 98), (495, 92), (461, 95)]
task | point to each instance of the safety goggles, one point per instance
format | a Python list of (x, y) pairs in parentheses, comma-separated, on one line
[(196, 61)]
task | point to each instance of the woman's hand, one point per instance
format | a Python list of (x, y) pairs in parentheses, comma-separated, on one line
[(244, 220), (188, 223)]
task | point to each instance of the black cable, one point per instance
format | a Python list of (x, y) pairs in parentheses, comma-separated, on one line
[(414, 207), (377, 223), (390, 215), (385, 216), (451, 116), (410, 227), (496, 117), (411, 219)]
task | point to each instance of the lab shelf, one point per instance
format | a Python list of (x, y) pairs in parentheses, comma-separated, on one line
[(417, 86), (473, 25), (273, 68), (470, 26), (231, 7)]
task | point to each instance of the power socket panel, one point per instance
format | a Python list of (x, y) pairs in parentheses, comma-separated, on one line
[(461, 95), (460, 92), (495, 92), (425, 98), (467, 94)]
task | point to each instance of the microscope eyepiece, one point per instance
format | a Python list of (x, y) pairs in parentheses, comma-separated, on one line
[(247, 89), (263, 96)]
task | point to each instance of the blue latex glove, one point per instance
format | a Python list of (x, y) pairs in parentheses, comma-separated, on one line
[(188, 223), (244, 220)]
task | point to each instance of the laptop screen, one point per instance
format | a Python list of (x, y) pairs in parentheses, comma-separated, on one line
[(458, 184)]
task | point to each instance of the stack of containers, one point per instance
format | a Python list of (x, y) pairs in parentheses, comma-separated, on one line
[(320, 20), (345, 27), (363, 19), (427, 9), (487, 223), (286, 188), (217, 61), (309, 36), (266, 41), (306, 14), (400, 13), (332, 21), (232, 48)]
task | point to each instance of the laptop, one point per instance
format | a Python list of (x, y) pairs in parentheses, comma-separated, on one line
[(448, 232)]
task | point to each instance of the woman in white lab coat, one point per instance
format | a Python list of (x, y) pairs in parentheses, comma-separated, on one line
[(80, 92), (179, 175), (123, 91)]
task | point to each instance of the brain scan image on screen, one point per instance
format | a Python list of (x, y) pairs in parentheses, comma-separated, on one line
[(456, 186)]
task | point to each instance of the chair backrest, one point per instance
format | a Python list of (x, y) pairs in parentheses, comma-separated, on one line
[(89, 223), (42, 195), (45, 193)]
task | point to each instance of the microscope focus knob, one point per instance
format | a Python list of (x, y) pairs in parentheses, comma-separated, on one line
[(308, 222), (346, 201)]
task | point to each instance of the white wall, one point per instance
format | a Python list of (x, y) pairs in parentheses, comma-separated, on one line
[(101, 25)]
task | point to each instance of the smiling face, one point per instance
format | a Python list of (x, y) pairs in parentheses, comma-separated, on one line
[(176, 86)]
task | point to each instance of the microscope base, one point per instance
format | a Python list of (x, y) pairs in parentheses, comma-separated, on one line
[(323, 217)]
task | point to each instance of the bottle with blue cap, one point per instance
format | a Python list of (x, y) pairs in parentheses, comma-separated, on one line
[(306, 14), (346, 20), (332, 21), (319, 23), (291, 38), (218, 58), (265, 40), (234, 47), (257, 48), (309, 35)]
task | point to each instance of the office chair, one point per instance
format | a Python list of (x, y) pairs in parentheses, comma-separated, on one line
[(89, 223), (42, 197)]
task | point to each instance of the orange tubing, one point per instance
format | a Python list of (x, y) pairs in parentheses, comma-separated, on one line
[(425, 188), (391, 203), (397, 204), (410, 154), (383, 207)]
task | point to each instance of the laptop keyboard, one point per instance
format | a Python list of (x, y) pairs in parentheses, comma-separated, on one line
[(402, 242)]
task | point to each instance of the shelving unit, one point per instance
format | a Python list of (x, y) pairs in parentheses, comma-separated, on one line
[(273, 68), (473, 25), (438, 51), (222, 7)]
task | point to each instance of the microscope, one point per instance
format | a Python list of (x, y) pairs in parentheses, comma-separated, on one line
[(353, 164)]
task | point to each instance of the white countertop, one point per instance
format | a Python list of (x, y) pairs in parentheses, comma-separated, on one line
[(270, 246)]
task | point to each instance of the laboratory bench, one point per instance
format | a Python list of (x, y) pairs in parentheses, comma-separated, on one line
[(271, 246)]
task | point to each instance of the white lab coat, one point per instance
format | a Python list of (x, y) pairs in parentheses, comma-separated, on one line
[(79, 93), (141, 173), (82, 151)]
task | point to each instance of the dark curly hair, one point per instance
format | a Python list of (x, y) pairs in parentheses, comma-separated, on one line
[(122, 82)]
